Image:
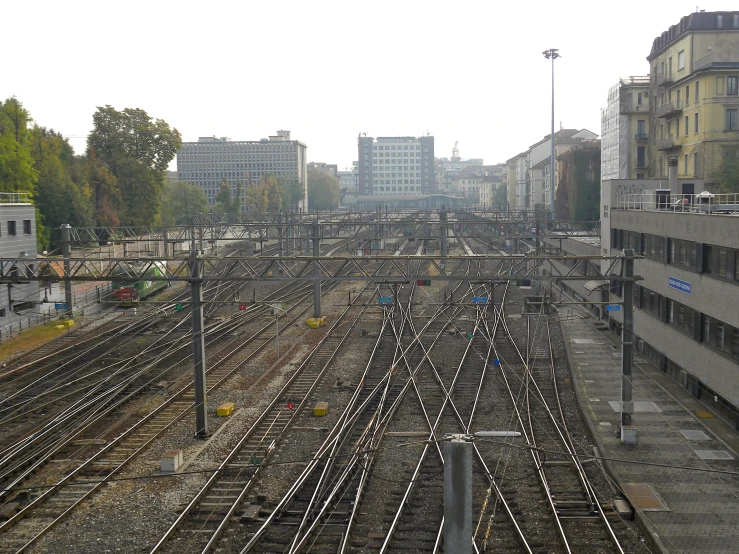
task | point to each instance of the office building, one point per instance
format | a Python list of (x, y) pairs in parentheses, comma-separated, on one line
[(210, 160), (396, 166)]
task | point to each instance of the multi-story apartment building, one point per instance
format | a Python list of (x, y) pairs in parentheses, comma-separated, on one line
[(467, 187), (694, 92), (331, 169), (346, 180), (396, 166), (17, 240), (512, 184), (488, 187), (624, 130), (578, 186), (210, 160)]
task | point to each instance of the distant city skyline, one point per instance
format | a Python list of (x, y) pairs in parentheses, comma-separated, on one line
[(492, 94)]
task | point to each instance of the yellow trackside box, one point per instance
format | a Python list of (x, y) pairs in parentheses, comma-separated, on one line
[(315, 322), (321, 409), (225, 409)]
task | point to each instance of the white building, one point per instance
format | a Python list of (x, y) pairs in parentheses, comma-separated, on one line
[(19, 302), (396, 166), (210, 160)]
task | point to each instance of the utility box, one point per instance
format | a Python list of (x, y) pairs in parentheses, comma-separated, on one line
[(225, 409), (321, 409), (628, 434), (172, 460)]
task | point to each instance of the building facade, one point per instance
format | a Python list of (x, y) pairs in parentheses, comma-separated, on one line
[(18, 302), (578, 191), (209, 161), (625, 130), (331, 169), (394, 166), (694, 92)]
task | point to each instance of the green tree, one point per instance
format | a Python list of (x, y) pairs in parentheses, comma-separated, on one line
[(136, 149), (323, 190), (59, 198), (293, 192), (500, 197), (17, 173), (228, 198), (727, 175), (180, 201)]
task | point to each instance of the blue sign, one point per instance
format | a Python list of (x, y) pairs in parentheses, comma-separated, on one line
[(385, 300), (613, 308), (682, 286), (60, 306), (480, 299)]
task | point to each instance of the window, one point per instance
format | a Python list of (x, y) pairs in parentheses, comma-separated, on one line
[(719, 86), (639, 98), (687, 124), (731, 119), (720, 21), (687, 94), (695, 164), (26, 226), (697, 88), (695, 123), (732, 85), (11, 228), (736, 22), (722, 262), (677, 128), (641, 156), (681, 60), (678, 97), (685, 170)]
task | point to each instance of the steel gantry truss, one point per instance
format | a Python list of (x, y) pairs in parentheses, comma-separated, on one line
[(196, 268)]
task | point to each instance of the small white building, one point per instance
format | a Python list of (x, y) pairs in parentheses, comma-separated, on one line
[(18, 302)]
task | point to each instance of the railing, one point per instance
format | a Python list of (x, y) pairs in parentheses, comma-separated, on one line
[(15, 198), (669, 108), (663, 78), (631, 107), (665, 201), (703, 62), (641, 137), (667, 144)]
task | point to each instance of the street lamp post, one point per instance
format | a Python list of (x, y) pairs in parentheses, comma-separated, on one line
[(552, 54)]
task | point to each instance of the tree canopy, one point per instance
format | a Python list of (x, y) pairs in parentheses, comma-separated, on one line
[(323, 190), (136, 150), (181, 201), (17, 173)]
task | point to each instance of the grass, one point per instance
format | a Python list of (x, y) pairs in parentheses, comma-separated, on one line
[(30, 338)]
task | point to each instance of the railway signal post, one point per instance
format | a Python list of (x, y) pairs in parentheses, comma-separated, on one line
[(316, 269), (458, 494), (198, 343), (628, 431), (66, 248)]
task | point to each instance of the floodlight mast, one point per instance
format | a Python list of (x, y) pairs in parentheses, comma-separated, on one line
[(552, 54)]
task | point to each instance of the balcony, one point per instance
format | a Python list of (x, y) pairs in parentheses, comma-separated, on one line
[(626, 108), (668, 144), (664, 78), (641, 137), (669, 109)]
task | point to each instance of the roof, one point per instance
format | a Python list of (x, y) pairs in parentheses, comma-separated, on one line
[(562, 133), (542, 164), (521, 155)]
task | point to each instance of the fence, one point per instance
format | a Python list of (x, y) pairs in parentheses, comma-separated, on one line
[(665, 200)]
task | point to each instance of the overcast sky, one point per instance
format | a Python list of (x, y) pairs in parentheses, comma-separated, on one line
[(467, 71)]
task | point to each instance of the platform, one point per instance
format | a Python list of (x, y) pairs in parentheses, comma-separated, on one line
[(679, 510)]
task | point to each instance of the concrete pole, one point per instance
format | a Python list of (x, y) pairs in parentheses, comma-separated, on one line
[(551, 161), (198, 343), (316, 269), (458, 495), (443, 232), (66, 249), (628, 432), (279, 233)]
